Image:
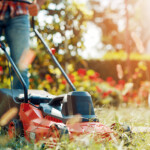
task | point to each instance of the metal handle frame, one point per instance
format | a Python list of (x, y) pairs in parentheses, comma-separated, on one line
[(52, 56), (2, 46)]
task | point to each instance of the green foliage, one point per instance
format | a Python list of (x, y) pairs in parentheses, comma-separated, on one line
[(62, 26), (4, 72), (102, 92)]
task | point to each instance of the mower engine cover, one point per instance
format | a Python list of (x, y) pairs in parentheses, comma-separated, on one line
[(78, 103)]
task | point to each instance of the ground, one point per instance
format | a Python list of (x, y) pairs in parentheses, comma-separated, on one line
[(133, 116)]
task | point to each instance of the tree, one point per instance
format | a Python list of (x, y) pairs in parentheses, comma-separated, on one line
[(111, 20)]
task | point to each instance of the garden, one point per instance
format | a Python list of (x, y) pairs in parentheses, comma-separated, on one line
[(111, 63)]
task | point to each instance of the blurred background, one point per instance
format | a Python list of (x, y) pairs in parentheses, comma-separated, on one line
[(103, 45)]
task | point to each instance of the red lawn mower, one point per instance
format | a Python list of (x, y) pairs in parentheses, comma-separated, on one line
[(42, 115)]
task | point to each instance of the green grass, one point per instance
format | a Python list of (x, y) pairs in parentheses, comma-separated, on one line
[(134, 117)]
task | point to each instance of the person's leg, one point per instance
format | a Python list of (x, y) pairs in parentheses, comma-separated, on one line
[(17, 36)]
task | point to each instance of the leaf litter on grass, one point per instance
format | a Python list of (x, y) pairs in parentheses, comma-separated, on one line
[(134, 117)]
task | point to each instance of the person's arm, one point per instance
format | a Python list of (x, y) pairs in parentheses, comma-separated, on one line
[(35, 7)]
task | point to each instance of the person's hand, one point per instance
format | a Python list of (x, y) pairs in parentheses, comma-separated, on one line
[(33, 9), (1, 5)]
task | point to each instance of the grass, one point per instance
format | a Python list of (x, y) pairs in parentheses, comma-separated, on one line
[(133, 116)]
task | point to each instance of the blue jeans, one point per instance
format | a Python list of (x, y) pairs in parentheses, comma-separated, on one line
[(16, 31)]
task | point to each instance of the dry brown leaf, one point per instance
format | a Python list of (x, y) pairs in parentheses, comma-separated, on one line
[(26, 59), (10, 114), (75, 119)]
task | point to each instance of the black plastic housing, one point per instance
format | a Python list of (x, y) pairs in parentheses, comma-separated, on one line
[(77, 102)]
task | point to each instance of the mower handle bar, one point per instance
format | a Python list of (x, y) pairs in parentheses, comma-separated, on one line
[(2, 46)]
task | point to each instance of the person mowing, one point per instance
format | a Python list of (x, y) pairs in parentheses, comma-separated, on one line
[(15, 26)]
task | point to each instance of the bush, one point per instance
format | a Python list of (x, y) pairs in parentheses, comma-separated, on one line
[(102, 92)]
